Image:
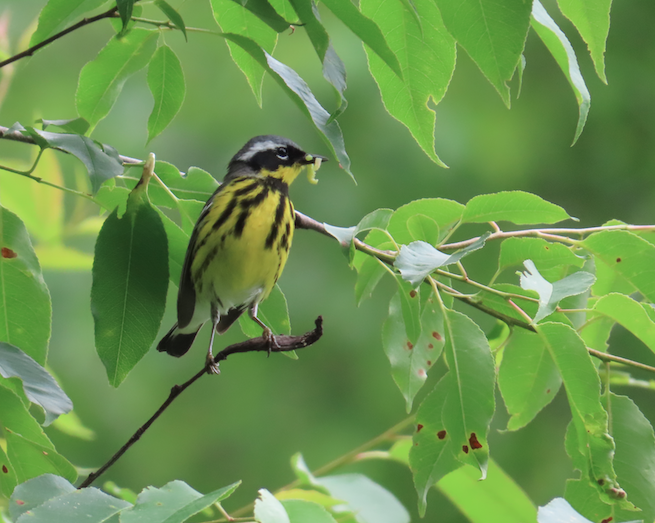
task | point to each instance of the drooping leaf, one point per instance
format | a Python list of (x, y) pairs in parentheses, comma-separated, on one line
[(528, 378), (550, 294), (166, 82), (130, 280), (125, 8), (561, 49), (517, 207), (369, 274), (410, 362), (102, 79), (40, 387), (58, 14), (470, 405), (410, 306), (235, 18), (263, 10), (426, 55), (493, 33), (25, 317), (73, 125), (580, 378), (301, 95), (175, 17), (432, 456), (592, 20)]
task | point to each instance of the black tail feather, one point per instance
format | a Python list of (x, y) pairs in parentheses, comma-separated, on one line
[(175, 343)]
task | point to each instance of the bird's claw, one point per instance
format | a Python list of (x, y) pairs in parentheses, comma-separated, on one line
[(270, 339), (211, 365)]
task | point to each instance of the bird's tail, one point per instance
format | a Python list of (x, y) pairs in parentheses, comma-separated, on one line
[(177, 343)]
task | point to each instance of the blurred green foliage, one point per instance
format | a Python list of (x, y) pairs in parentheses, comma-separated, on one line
[(247, 423)]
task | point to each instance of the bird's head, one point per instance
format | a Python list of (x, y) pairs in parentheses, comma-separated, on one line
[(270, 155)]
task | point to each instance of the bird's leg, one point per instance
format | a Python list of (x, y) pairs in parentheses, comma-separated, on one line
[(212, 366), (268, 333)]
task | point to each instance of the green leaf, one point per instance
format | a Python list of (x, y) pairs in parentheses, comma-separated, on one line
[(101, 161), (368, 500), (550, 294), (592, 20), (302, 511), (545, 255), (498, 498), (25, 315), (366, 30), (102, 79), (196, 184), (634, 460), (166, 82), (411, 361), (263, 10), (528, 378), (172, 15), (269, 510), (517, 207), (125, 8), (8, 479), (426, 55), (300, 94), (493, 33), (16, 418), (630, 314), (334, 71), (445, 213), (432, 455), (418, 259), (273, 311), (561, 49), (470, 404), (80, 506), (130, 280), (31, 459), (57, 14), (377, 219), (178, 241), (40, 387), (625, 255), (410, 305), (174, 502), (582, 385), (37, 491), (369, 274), (74, 125), (234, 18)]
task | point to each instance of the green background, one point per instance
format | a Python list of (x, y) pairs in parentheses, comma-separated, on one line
[(246, 423)]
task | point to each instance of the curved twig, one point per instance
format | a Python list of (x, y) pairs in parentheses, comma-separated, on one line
[(283, 344)]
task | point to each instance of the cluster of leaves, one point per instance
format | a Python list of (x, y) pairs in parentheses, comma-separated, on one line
[(412, 62)]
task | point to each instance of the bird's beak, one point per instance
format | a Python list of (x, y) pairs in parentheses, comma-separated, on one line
[(312, 158)]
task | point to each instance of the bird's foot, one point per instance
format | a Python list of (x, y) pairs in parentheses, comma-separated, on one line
[(211, 365), (270, 340)]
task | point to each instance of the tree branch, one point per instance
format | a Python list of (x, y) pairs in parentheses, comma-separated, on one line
[(283, 344), (85, 21)]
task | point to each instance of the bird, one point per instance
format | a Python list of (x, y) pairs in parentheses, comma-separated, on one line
[(239, 244)]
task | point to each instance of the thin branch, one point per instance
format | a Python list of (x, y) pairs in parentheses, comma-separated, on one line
[(283, 344), (85, 21), (17, 136), (603, 356)]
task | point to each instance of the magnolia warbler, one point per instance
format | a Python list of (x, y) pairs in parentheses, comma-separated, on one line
[(240, 243)]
